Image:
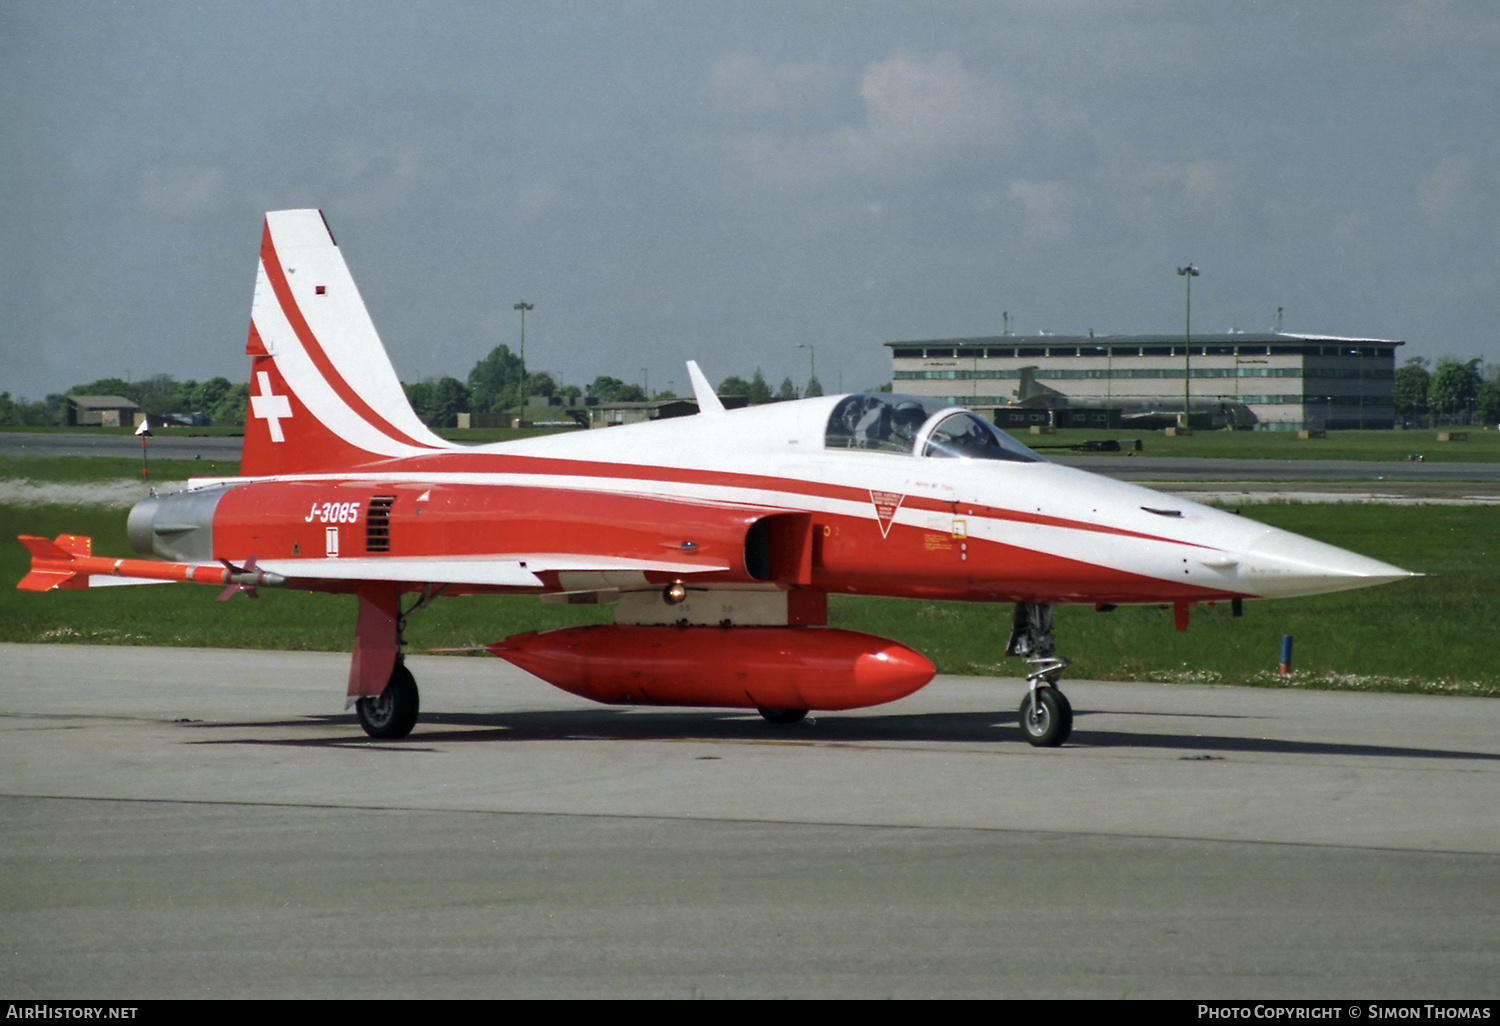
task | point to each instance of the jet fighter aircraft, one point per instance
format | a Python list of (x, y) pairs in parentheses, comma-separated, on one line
[(717, 537)]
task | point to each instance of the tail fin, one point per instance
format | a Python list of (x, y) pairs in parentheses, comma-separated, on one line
[(323, 394)]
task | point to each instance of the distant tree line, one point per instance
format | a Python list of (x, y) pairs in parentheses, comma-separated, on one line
[(161, 397), (497, 383), (757, 391), (1450, 393)]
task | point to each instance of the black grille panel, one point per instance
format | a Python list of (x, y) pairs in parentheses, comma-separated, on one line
[(378, 524)]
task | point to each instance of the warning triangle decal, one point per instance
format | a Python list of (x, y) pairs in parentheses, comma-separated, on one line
[(886, 504)]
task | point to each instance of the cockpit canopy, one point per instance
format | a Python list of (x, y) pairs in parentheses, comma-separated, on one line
[(900, 423)]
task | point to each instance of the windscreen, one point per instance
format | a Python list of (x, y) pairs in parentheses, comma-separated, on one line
[(892, 423), (877, 420), (969, 436)]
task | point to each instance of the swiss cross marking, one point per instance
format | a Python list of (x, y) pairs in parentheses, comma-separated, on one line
[(270, 407), (886, 504)]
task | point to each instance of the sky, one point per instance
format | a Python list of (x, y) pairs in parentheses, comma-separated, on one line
[(734, 182)]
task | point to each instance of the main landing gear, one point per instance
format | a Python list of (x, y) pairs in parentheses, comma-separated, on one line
[(394, 712), (1045, 714), (379, 635)]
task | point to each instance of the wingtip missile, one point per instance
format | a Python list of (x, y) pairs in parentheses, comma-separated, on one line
[(67, 562)]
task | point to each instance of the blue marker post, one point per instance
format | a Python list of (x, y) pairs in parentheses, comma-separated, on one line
[(1286, 654)]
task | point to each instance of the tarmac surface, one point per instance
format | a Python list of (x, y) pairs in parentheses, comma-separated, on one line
[(81, 443), (191, 822)]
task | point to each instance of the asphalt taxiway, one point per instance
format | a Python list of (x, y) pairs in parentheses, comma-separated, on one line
[(211, 823)]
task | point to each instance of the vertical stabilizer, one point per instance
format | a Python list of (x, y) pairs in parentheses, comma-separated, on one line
[(323, 393)]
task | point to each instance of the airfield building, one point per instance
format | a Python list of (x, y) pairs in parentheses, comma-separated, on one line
[(1273, 381)]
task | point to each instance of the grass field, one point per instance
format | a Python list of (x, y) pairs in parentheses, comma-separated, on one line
[(82, 470), (1432, 634)]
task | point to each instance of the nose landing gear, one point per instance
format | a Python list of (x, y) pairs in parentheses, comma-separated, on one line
[(1045, 714)]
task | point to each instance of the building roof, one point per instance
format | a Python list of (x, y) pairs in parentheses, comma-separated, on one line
[(1198, 338), (103, 402)]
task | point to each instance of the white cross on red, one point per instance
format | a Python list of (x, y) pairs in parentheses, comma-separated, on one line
[(270, 407)]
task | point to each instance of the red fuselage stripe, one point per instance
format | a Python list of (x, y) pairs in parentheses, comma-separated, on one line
[(494, 463)]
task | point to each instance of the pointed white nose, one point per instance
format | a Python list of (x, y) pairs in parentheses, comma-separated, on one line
[(1282, 564)]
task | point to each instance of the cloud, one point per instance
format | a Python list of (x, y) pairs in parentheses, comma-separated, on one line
[(371, 179), (1447, 191), (745, 89), (180, 191), (1049, 209), (920, 116), (1149, 194), (915, 104), (535, 200)]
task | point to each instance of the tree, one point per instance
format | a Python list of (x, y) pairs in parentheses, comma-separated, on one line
[(786, 391), (20, 413), (734, 385), (495, 383), (161, 394), (422, 395), (1487, 402), (814, 388), (231, 409), (1453, 385), (438, 403), (613, 390), (760, 392), (1410, 388), (209, 395), (109, 386), (540, 383)]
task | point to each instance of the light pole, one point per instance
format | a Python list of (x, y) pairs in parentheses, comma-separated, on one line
[(1189, 272), (523, 306)]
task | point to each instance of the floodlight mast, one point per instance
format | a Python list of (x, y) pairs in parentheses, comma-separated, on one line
[(1189, 272), (523, 306)]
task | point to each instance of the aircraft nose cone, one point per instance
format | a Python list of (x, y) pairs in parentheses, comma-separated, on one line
[(1282, 564)]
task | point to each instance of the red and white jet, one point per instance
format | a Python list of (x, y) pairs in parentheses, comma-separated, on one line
[(716, 537)]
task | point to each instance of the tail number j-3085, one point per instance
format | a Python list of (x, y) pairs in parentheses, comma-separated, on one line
[(333, 513)]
